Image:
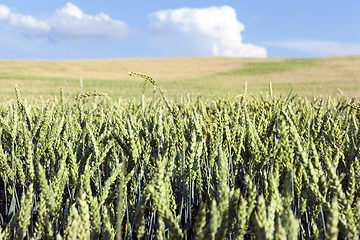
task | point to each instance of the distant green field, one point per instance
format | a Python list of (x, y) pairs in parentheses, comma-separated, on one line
[(260, 68), (181, 76)]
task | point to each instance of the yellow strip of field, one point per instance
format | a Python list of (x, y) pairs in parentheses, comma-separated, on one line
[(209, 75)]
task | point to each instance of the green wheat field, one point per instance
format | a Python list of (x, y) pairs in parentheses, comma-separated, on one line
[(204, 148)]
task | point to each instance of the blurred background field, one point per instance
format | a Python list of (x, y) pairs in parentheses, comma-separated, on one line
[(211, 76)]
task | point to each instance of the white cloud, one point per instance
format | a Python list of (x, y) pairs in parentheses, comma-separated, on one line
[(318, 48), (217, 27), (68, 22), (4, 12), (24, 24), (178, 32), (71, 23)]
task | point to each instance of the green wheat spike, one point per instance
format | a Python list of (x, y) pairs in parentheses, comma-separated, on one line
[(200, 222), (351, 224), (25, 213), (211, 228), (146, 77), (242, 219), (333, 220)]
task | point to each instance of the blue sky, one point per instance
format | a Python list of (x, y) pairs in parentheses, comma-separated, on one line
[(55, 30)]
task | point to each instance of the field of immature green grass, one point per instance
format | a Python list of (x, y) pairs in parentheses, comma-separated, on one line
[(246, 167), (179, 76), (107, 157)]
